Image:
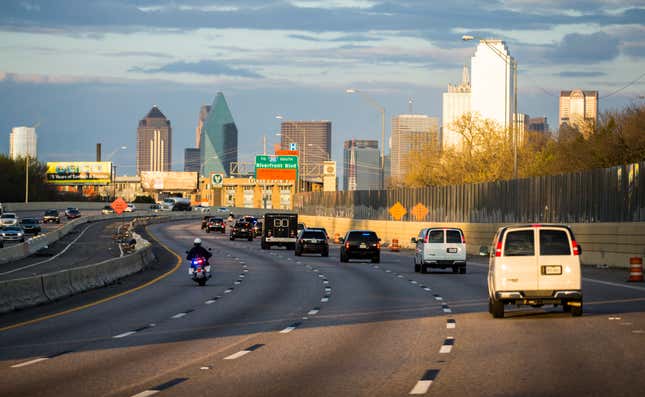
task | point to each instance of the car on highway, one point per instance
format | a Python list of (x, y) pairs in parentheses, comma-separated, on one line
[(216, 224), (222, 210), (360, 244), (155, 208), (242, 229), (130, 208), (321, 229), (12, 233), (312, 241), (440, 248), (107, 210), (201, 208), (205, 221), (536, 265), (8, 219), (254, 224), (51, 215), (72, 213), (30, 226)]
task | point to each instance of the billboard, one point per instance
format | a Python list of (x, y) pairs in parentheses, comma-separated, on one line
[(282, 168), (169, 180), (79, 173)]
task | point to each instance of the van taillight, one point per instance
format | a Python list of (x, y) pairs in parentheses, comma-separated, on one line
[(427, 239), (576, 250), (498, 250), (463, 239)]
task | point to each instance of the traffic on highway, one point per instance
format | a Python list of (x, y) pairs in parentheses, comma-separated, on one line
[(352, 318)]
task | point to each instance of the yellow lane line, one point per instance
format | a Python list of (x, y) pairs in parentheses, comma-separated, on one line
[(109, 298)]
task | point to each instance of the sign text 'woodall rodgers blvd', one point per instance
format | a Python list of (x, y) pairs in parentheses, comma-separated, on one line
[(283, 168)]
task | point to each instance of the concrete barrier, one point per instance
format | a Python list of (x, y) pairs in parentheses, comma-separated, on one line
[(57, 285), (20, 293), (610, 244)]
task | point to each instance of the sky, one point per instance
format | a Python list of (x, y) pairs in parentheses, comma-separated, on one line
[(87, 71)]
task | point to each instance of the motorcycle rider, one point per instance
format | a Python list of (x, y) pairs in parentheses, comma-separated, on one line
[(199, 252)]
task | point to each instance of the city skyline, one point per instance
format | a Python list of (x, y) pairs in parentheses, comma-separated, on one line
[(103, 71)]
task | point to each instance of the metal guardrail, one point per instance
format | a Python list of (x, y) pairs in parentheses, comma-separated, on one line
[(615, 194)]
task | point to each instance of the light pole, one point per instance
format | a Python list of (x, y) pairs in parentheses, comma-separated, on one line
[(513, 66), (109, 158), (381, 109)]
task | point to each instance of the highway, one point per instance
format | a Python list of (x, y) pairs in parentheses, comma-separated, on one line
[(270, 323)]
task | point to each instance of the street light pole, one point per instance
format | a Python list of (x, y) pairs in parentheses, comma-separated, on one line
[(27, 179), (381, 109), (513, 66)]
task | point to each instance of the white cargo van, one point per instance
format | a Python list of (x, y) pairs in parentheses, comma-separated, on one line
[(534, 265), (440, 248)]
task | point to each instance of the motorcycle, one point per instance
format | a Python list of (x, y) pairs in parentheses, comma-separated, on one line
[(199, 270)]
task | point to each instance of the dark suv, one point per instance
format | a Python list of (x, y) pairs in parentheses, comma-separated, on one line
[(242, 230), (51, 216), (361, 244), (312, 241), (216, 225)]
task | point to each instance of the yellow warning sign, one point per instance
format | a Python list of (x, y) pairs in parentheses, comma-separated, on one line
[(419, 212), (398, 211)]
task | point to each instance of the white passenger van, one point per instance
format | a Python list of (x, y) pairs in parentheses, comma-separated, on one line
[(440, 248), (534, 265)]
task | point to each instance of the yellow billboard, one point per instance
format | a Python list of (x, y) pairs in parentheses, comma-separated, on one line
[(79, 173), (170, 181)]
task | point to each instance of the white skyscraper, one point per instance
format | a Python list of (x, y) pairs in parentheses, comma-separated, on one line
[(492, 69), (456, 102), (23, 142)]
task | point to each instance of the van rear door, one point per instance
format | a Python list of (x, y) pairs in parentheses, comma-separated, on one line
[(516, 269), (434, 245), (558, 267), (455, 248)]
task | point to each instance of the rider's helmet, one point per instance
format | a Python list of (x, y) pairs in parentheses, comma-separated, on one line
[(197, 241)]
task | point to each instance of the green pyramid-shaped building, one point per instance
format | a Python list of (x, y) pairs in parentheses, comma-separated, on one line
[(218, 148)]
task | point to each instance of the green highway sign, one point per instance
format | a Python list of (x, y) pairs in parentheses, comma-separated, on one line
[(276, 162)]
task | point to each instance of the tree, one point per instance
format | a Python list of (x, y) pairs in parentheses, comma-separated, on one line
[(12, 180)]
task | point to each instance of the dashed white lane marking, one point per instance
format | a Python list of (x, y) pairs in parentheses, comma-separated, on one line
[(123, 335), (399, 276), (321, 275), (427, 289), (178, 315), (447, 345), (298, 263), (451, 323), (146, 393), (34, 361), (315, 270), (237, 283), (312, 312), (210, 301), (246, 270), (413, 282), (287, 330), (447, 310), (437, 297), (422, 386), (614, 318), (228, 291), (324, 300), (325, 282), (242, 352)]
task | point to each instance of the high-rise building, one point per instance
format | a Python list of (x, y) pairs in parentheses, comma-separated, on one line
[(539, 124), (361, 165), (456, 103), (191, 160), (154, 142), (23, 142), (203, 113), (492, 82), (411, 132), (578, 107), (218, 142), (521, 121), (312, 139)]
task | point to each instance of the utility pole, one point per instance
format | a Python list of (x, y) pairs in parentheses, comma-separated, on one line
[(27, 179)]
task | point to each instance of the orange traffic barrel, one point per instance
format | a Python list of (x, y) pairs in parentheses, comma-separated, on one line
[(395, 246), (635, 269)]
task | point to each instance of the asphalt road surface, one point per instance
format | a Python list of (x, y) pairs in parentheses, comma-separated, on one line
[(270, 323)]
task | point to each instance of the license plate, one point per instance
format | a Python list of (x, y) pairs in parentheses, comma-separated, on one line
[(452, 250), (551, 270), (363, 245)]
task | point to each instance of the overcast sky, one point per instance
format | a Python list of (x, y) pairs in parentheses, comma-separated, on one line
[(89, 70)]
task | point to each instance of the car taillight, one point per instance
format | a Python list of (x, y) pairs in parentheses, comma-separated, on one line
[(347, 245), (576, 249), (269, 233), (426, 239), (378, 245), (498, 249)]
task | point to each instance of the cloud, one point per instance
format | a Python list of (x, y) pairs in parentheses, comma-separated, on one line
[(587, 48), (581, 74), (150, 54), (343, 38), (203, 67)]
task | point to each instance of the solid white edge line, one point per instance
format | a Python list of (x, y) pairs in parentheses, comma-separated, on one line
[(613, 284), (49, 259), (146, 393), (287, 330), (34, 361), (445, 349), (421, 387), (123, 335), (237, 355)]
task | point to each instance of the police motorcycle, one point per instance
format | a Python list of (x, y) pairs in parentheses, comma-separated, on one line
[(199, 270)]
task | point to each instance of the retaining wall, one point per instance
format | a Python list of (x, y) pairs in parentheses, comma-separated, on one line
[(610, 244)]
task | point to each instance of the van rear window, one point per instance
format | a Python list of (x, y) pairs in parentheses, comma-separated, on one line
[(519, 243), (435, 236), (554, 242), (453, 236)]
